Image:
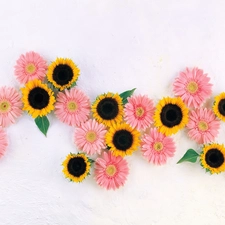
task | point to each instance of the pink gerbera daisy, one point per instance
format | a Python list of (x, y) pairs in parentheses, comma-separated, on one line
[(193, 87), (3, 142), (10, 105), (111, 171), (203, 125), (29, 67), (156, 147), (90, 137), (139, 112), (72, 107)]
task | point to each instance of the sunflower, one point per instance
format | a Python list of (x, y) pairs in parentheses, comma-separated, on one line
[(62, 73), (76, 167), (122, 139), (213, 158), (219, 106), (37, 98), (171, 115), (108, 109)]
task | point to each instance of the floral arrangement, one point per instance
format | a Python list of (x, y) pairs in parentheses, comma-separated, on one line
[(204, 123), (114, 126)]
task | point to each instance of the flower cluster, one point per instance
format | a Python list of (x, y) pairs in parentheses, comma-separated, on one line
[(41, 84), (114, 125), (120, 124), (44, 86), (204, 122)]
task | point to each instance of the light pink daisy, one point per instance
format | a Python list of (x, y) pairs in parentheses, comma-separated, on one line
[(139, 112), (3, 142), (156, 147), (90, 137), (72, 107), (203, 125), (193, 87), (29, 67), (111, 171), (10, 105)]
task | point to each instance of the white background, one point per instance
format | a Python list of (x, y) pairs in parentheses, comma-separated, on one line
[(118, 45)]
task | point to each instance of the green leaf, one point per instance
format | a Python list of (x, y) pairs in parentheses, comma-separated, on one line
[(190, 156), (91, 160), (53, 88), (42, 123), (50, 85), (73, 85), (126, 94)]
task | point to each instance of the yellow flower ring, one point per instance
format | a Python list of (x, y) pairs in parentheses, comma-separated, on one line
[(108, 109), (171, 115), (212, 158), (122, 139), (219, 106), (76, 167), (37, 98), (62, 73)]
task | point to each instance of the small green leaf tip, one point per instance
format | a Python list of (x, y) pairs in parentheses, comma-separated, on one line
[(91, 160), (126, 94), (73, 85), (190, 156), (43, 124)]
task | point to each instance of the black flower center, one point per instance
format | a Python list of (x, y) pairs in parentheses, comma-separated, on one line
[(214, 158), (221, 107), (62, 74), (38, 98), (171, 115), (108, 108), (77, 166), (123, 140)]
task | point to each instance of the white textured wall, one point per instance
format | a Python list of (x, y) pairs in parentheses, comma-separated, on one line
[(117, 45)]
